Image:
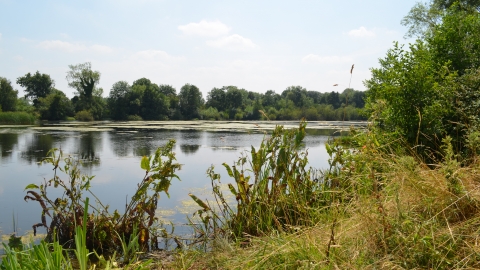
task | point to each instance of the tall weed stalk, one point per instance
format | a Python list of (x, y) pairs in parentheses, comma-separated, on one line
[(272, 187)]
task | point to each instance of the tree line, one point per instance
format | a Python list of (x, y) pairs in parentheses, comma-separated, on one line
[(145, 100)]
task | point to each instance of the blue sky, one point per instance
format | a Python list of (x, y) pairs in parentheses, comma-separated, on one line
[(256, 45)]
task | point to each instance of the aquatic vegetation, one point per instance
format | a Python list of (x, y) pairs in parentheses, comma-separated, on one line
[(273, 188), (106, 232), (17, 118)]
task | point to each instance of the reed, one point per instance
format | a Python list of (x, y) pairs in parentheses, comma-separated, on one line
[(17, 118)]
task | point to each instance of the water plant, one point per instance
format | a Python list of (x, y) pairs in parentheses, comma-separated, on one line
[(273, 190), (102, 231)]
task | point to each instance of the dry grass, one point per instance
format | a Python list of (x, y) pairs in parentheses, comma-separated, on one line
[(413, 219)]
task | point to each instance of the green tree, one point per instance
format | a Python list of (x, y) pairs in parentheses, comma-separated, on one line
[(404, 94), (216, 98), (36, 85), (55, 106), (8, 96), (154, 104), (457, 39), (190, 100), (118, 100), (83, 79)]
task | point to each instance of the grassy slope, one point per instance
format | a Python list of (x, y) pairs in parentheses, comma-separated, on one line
[(417, 216)]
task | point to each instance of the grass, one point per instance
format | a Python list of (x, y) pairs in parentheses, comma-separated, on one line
[(17, 118), (388, 210)]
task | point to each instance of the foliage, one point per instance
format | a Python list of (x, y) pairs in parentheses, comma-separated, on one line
[(190, 101), (55, 106), (118, 100), (36, 86), (8, 96), (415, 106), (83, 79), (280, 194), (17, 118), (105, 231), (84, 116)]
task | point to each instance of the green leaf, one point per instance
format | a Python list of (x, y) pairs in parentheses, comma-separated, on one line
[(199, 202), (31, 186), (145, 164), (229, 170)]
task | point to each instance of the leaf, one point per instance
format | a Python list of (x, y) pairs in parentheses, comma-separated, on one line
[(232, 189), (199, 202), (229, 170), (31, 186), (145, 164)]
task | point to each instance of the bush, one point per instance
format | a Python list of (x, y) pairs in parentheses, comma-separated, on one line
[(17, 118), (134, 118), (84, 116)]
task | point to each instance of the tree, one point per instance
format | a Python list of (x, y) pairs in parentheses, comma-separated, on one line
[(8, 96), (404, 94), (216, 98), (83, 79), (190, 99), (55, 106), (154, 104), (270, 98), (118, 100), (36, 86), (167, 90), (457, 39)]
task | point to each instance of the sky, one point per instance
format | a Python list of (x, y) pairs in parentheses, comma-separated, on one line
[(255, 45)]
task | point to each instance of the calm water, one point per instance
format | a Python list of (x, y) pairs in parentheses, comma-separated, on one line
[(113, 156)]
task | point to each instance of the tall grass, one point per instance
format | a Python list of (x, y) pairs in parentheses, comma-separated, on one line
[(274, 191), (383, 208), (17, 118)]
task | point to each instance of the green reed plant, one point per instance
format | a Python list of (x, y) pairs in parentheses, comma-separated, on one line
[(49, 256), (17, 118), (273, 189), (101, 229)]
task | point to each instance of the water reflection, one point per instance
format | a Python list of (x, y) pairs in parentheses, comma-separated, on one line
[(8, 141), (189, 141), (89, 144), (189, 149), (38, 146)]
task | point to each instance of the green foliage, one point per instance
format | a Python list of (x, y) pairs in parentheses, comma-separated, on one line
[(102, 231), (279, 194), (118, 100), (36, 86), (134, 118), (17, 118), (8, 96), (84, 116), (190, 101), (83, 79), (55, 106), (407, 86)]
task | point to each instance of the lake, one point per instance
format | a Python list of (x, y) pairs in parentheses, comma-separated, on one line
[(111, 151)]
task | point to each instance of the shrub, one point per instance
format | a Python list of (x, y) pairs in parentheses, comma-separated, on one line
[(134, 118), (17, 118), (84, 116)]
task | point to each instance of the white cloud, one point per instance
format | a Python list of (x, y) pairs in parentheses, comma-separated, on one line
[(232, 43), (101, 48), (61, 45), (205, 29), (313, 58), (361, 32), (72, 47)]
